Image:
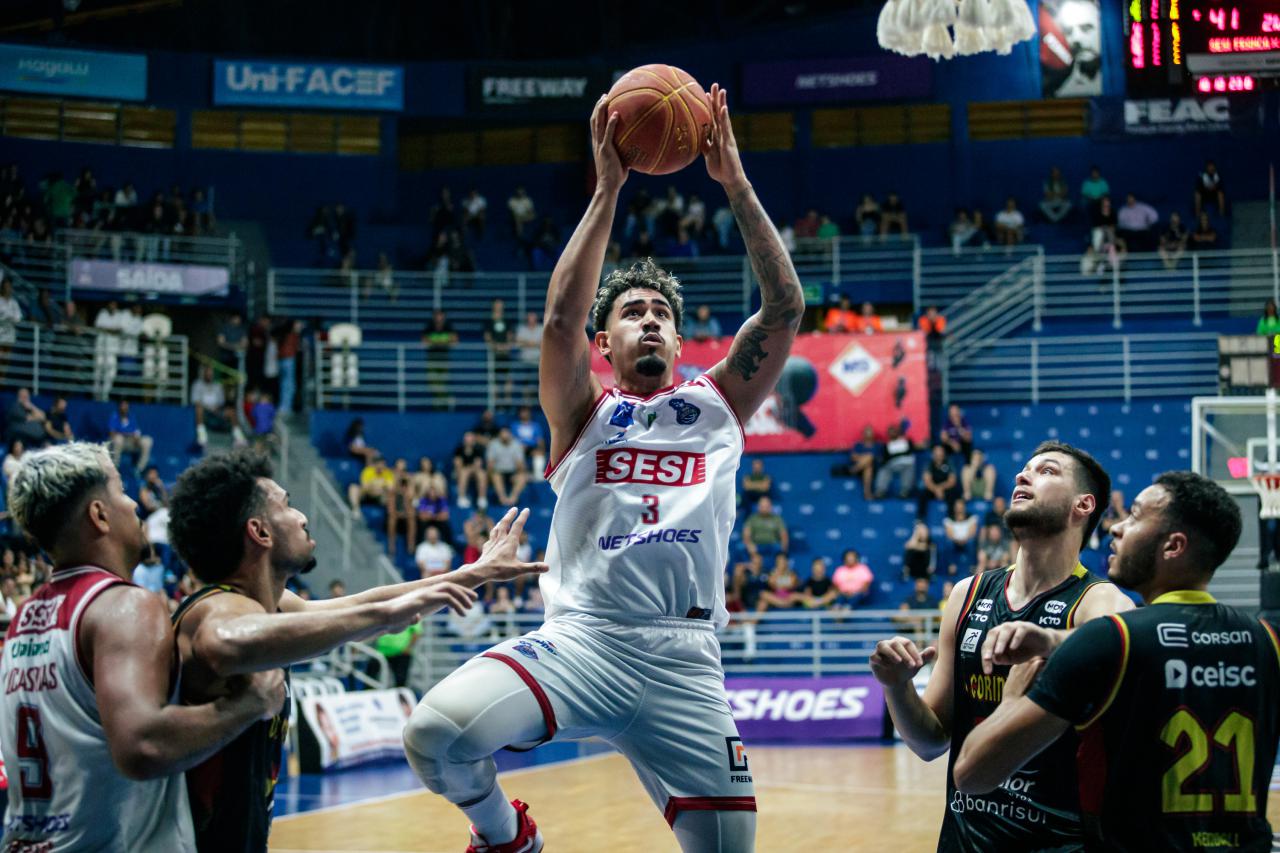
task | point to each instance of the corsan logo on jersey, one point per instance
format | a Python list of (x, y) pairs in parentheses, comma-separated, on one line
[(650, 467)]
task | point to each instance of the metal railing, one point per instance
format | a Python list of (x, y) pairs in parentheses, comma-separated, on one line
[(45, 265), (328, 513), (799, 643), (413, 376), (1000, 306), (88, 362), (947, 276), (1084, 367)]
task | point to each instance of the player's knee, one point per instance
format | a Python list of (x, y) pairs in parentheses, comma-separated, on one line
[(428, 735)]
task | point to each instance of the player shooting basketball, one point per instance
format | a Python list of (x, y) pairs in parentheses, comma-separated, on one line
[(645, 476)]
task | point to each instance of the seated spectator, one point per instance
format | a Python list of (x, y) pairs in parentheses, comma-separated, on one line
[(356, 445), (841, 317), (867, 215), (1204, 237), (508, 472), (1135, 224), (486, 428), (897, 461), (917, 553), (402, 509), (1093, 190), (233, 341), (374, 487), (153, 494), (893, 216), (477, 526), (149, 574), (853, 580), (756, 484), (749, 581), (56, 427), (1269, 322), (469, 471), (921, 598), (1209, 189), (1055, 202), (764, 531), (427, 478), (828, 230), (862, 461), (46, 312), (957, 434), (25, 420), (1116, 512), (960, 230), (806, 227), (818, 591), (1010, 223), (784, 587), (1173, 242), (13, 460), (126, 435), (867, 322), (940, 482), (704, 326), (961, 531), (522, 212), (213, 410), (432, 510), (1105, 255), (532, 438), (995, 515), (529, 348), (994, 551), (434, 556), (264, 416), (933, 324), (474, 208), (978, 477)]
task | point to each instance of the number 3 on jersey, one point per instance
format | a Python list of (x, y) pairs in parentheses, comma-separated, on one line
[(33, 758), (650, 514)]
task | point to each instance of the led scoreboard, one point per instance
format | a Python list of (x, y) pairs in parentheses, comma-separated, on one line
[(1185, 46)]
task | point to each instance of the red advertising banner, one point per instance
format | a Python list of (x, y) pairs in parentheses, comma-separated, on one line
[(831, 388)]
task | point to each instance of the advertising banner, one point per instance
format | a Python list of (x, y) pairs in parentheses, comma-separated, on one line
[(541, 88), (1116, 118), (817, 81), (73, 73), (171, 279), (270, 83), (1070, 48), (810, 709), (346, 729), (831, 388)]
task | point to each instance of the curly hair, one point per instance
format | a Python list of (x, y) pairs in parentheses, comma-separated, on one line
[(53, 484), (1090, 477), (1201, 508), (643, 273), (209, 507)]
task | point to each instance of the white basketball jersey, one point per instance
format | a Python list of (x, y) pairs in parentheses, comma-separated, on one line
[(645, 504), (65, 792)]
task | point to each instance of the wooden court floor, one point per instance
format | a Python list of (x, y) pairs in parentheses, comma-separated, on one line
[(809, 798)]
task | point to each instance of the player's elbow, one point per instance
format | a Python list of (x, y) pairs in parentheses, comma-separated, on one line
[(224, 652), (970, 776), (141, 759)]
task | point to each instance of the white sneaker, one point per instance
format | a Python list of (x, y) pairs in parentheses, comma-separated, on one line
[(483, 503), (464, 503), (202, 435)]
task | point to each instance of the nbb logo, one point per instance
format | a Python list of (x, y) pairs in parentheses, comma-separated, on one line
[(650, 467)]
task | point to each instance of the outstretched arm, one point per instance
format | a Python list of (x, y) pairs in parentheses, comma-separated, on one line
[(759, 351), (566, 386)]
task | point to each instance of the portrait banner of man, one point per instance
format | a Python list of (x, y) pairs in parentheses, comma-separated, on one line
[(1070, 48)]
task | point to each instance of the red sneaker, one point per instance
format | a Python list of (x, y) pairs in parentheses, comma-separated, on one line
[(527, 840)]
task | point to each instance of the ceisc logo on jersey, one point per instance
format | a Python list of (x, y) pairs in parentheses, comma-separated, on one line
[(686, 413), (651, 467)]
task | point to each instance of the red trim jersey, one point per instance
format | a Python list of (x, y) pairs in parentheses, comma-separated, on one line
[(65, 792), (646, 504)]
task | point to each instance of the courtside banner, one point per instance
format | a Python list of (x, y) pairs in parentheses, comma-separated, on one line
[(832, 387), (73, 73), (818, 81), (168, 279), (529, 88), (810, 709), (345, 729), (271, 83)]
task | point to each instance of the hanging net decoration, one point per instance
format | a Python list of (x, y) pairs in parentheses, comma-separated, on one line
[(941, 29)]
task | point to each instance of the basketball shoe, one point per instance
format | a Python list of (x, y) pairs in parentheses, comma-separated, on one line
[(527, 840)]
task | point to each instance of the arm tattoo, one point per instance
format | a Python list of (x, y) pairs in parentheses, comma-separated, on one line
[(748, 352), (782, 300)]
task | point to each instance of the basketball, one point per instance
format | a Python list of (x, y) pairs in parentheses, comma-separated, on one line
[(662, 118)]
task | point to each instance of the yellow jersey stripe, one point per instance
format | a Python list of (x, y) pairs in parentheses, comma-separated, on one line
[(1124, 666), (1185, 596)]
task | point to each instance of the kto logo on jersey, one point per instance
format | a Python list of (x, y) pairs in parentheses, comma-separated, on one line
[(1055, 607), (650, 467), (1177, 673), (40, 615)]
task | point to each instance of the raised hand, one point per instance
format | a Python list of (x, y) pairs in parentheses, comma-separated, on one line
[(720, 149), (498, 557), (896, 661), (610, 173), (411, 607), (1014, 643)]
